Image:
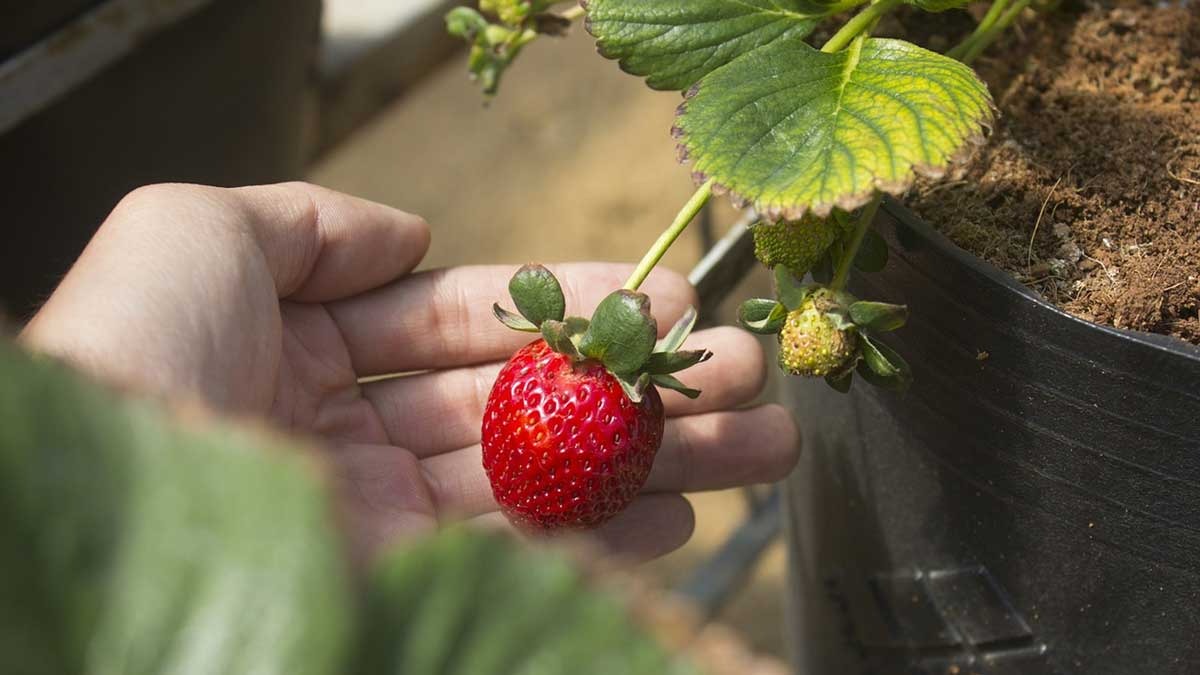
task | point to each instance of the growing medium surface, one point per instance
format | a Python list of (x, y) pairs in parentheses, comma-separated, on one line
[(1096, 160)]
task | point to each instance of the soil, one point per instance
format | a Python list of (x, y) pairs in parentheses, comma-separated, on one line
[(1088, 189)]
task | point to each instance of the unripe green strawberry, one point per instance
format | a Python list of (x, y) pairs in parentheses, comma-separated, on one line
[(812, 345), (797, 245)]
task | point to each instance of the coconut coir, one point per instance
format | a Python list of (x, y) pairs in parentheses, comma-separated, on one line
[(1088, 189)]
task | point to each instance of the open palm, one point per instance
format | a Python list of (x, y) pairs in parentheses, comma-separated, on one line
[(299, 304)]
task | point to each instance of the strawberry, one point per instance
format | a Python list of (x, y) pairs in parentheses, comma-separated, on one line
[(562, 443), (574, 420), (797, 245), (813, 344), (829, 333)]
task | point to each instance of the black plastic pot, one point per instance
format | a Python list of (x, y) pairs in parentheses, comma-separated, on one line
[(1030, 506)]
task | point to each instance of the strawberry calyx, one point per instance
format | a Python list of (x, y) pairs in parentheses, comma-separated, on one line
[(830, 321), (620, 334)]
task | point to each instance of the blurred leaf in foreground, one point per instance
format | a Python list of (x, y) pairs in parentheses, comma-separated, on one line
[(134, 544)]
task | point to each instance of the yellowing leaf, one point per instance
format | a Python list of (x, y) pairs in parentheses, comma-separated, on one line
[(793, 130)]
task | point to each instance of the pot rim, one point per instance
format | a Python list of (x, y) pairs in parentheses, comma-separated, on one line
[(1162, 343)]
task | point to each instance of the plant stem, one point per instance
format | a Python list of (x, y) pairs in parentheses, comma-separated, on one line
[(987, 37), (528, 35), (656, 252), (985, 24), (862, 22), (842, 273)]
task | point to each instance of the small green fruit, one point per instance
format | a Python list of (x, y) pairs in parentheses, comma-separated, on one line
[(798, 244), (513, 12), (812, 345)]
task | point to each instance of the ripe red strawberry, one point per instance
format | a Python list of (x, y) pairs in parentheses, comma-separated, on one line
[(562, 444), (574, 420)]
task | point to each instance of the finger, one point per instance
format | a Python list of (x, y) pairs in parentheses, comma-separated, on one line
[(700, 452), (734, 375), (383, 496), (458, 485), (321, 245), (443, 318), (725, 449), (652, 526), (456, 397)]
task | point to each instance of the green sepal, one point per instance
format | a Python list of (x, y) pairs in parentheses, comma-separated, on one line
[(513, 320), (762, 316), (537, 294), (882, 366), (622, 332), (872, 254), (465, 23), (671, 382), (822, 272), (576, 325), (789, 290), (840, 384), (558, 336), (675, 337), (878, 316), (635, 389), (661, 363)]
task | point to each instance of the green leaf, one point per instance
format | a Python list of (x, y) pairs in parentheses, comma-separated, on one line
[(622, 332), (661, 363), (822, 272), (537, 294), (878, 316), (789, 289), (513, 321), (882, 366), (674, 44), (842, 384), (675, 337), (464, 603), (138, 547), (872, 254), (671, 382), (793, 130), (147, 548), (762, 316), (558, 335)]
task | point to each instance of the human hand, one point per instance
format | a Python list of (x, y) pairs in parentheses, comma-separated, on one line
[(275, 301)]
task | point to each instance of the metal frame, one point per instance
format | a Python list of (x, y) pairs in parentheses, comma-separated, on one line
[(715, 581)]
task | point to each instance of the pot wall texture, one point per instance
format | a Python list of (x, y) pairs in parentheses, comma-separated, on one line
[(1031, 506)]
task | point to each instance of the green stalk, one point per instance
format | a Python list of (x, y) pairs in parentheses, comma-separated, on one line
[(862, 22), (842, 273), (986, 24), (528, 35), (656, 252), (987, 37)]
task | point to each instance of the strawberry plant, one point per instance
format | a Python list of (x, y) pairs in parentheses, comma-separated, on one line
[(810, 136)]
